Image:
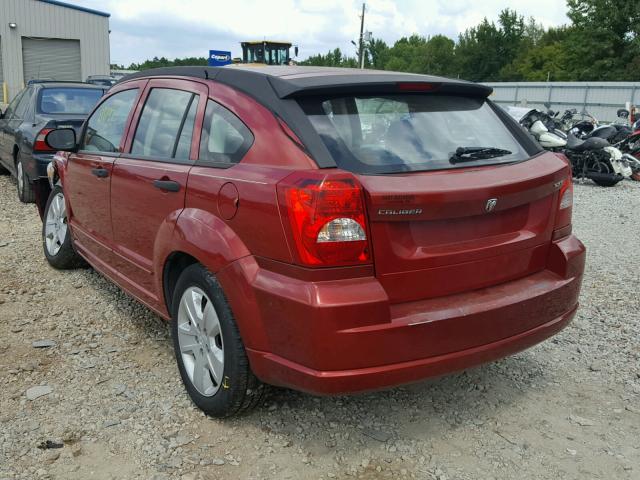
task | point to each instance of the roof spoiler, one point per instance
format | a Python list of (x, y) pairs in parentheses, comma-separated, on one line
[(374, 84)]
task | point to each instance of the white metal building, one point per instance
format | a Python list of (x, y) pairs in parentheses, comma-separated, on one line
[(49, 39), (602, 99)]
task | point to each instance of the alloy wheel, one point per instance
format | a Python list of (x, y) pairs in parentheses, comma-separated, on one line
[(56, 230), (200, 341)]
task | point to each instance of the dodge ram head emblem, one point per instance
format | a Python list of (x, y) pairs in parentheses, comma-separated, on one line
[(491, 204)]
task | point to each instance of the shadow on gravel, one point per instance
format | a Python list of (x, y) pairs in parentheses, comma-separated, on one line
[(424, 411)]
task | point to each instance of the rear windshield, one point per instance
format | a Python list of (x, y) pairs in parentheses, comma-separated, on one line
[(411, 132), (68, 101)]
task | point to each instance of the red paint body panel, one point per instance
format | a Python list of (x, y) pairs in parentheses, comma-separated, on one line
[(88, 197), (368, 344), (139, 212), (279, 371), (448, 287)]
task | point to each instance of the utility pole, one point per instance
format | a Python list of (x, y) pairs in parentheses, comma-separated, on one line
[(361, 44)]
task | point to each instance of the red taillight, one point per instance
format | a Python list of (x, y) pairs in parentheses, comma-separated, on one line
[(40, 145), (326, 217), (565, 207)]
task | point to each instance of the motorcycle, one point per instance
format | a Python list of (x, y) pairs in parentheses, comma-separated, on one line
[(614, 133), (630, 147), (592, 158), (596, 159)]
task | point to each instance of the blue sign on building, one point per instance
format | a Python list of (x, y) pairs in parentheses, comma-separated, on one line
[(218, 58)]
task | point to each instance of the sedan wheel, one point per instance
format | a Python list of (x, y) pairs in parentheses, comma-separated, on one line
[(20, 178), (201, 343), (26, 193)]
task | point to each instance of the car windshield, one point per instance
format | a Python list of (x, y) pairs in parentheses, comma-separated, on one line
[(68, 101), (410, 132)]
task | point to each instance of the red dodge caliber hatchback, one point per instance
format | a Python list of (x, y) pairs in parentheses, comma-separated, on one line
[(327, 230)]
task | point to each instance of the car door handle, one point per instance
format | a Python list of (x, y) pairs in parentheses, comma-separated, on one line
[(167, 185), (100, 172)]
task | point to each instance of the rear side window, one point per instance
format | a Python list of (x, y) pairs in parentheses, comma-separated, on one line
[(68, 101), (23, 106), (225, 139), (410, 132), (106, 125), (166, 123), (11, 109)]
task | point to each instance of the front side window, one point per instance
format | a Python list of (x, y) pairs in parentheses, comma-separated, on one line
[(225, 139), (166, 114), (68, 101), (106, 125), (411, 132)]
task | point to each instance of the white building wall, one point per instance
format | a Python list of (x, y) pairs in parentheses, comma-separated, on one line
[(44, 20)]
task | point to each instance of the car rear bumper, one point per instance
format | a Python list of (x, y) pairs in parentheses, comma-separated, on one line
[(37, 168), (341, 336), (280, 371)]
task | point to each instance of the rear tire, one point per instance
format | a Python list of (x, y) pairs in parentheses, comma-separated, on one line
[(211, 357), (56, 237), (608, 182), (26, 193)]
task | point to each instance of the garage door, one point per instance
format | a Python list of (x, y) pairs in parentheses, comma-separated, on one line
[(47, 58)]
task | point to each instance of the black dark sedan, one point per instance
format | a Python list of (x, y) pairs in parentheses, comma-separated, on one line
[(36, 110)]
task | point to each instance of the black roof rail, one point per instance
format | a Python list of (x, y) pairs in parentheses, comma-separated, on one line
[(292, 81), (49, 80)]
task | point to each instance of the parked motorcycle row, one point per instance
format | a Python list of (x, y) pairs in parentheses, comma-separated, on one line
[(606, 154)]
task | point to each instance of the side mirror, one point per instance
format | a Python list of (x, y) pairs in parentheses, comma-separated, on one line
[(1, 114), (295, 50), (61, 139), (547, 105)]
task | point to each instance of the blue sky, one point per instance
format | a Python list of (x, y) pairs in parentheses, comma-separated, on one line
[(143, 29)]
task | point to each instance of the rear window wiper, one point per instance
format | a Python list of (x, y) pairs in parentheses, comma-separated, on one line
[(469, 154)]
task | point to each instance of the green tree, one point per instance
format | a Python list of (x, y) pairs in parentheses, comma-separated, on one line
[(377, 53), (408, 55), (333, 58), (477, 52), (604, 43)]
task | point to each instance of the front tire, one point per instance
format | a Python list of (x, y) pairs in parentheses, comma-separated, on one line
[(56, 237), (211, 357), (26, 193)]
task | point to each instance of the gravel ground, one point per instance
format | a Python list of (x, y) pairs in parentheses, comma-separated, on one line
[(112, 398)]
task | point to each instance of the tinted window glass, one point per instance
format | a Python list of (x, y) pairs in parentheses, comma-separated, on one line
[(184, 143), (23, 105), (162, 117), (225, 139), (106, 125), (409, 132), (8, 113), (73, 101)]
